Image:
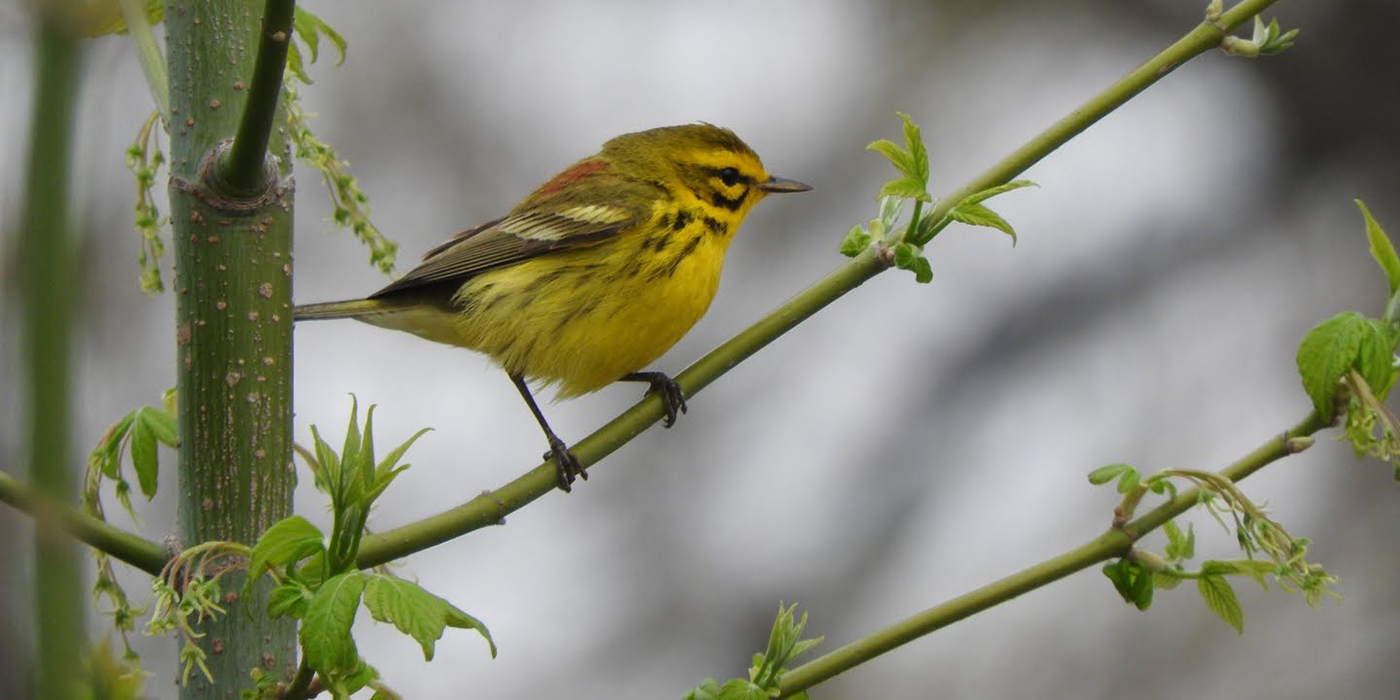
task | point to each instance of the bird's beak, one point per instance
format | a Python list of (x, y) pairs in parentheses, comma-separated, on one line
[(781, 184)]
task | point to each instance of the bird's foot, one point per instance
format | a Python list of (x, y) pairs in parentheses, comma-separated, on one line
[(567, 463), (672, 397)]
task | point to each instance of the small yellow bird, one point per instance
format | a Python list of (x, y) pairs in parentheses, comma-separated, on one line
[(593, 276)]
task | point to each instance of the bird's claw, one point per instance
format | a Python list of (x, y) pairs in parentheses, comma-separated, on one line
[(672, 398), (567, 463)]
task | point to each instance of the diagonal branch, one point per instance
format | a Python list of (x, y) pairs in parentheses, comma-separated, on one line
[(491, 507), (1110, 545)]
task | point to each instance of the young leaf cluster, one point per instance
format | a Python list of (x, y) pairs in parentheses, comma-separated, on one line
[(144, 159), (139, 433), (188, 591), (316, 578), (308, 28), (785, 643), (904, 244), (1269, 549), (1348, 363), (1267, 40)]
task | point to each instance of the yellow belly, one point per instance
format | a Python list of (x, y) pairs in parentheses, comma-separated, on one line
[(582, 319)]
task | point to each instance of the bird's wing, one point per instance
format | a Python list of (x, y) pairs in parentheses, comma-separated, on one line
[(554, 218)]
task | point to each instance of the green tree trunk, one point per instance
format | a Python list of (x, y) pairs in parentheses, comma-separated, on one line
[(49, 291), (233, 288)]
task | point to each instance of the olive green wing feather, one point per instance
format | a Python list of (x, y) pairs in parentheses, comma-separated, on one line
[(561, 221)]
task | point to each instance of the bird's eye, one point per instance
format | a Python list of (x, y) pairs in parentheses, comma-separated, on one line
[(729, 176)]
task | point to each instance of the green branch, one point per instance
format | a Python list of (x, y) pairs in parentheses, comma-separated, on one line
[(139, 552), (490, 508), (1112, 544), (241, 170)]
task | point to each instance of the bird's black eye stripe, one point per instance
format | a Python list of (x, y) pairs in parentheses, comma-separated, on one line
[(729, 176)]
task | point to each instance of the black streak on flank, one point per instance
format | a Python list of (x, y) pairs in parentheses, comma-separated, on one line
[(683, 218), (545, 280), (717, 227), (665, 219), (660, 244), (724, 202), (585, 274), (579, 313), (670, 268)]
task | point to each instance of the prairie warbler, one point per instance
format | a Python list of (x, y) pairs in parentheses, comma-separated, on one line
[(593, 276)]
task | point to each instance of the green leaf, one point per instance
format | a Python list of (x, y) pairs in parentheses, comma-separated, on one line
[(923, 271), (1326, 353), (900, 158), (290, 599), (1220, 598), (309, 28), (911, 162), (709, 690), (350, 459), (1381, 248), (346, 685), (325, 631), (416, 612), (1129, 481), (328, 465), (389, 467), (903, 187), (980, 215), (740, 689), (106, 456), (458, 619), (914, 141), (161, 423), (904, 255), (1132, 580), (1165, 580), (994, 191), (1375, 359), (1108, 473), (1162, 486), (288, 541), (1180, 546), (143, 454), (855, 242)]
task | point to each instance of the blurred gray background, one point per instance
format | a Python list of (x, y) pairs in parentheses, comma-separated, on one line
[(904, 446)]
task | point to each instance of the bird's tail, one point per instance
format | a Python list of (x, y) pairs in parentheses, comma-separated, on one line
[(354, 308)]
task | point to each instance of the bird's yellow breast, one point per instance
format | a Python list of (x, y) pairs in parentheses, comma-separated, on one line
[(583, 318)]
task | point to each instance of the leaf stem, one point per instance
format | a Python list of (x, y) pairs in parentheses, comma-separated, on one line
[(1116, 542), (300, 687)]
